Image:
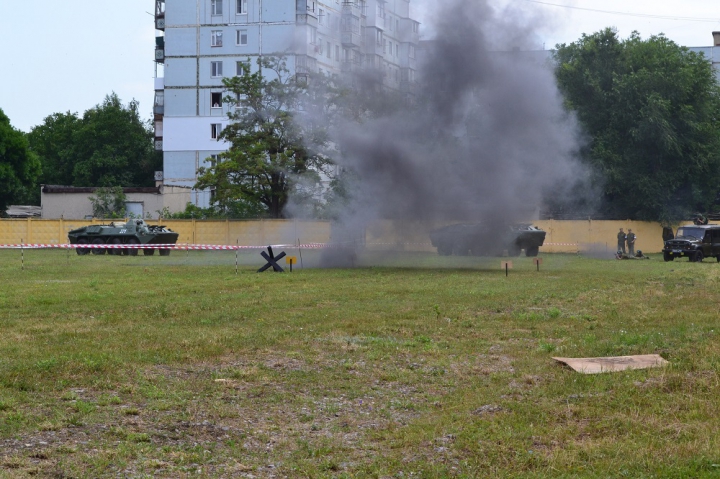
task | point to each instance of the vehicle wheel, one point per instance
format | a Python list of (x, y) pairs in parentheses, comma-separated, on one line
[(698, 256), (82, 251), (532, 251), (669, 257), (514, 250), (717, 258), (116, 251), (149, 251), (98, 250), (132, 251), (164, 252)]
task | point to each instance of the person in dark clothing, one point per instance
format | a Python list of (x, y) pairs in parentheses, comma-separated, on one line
[(621, 240), (631, 242)]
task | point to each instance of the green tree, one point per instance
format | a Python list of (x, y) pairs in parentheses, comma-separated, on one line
[(19, 167), (273, 149), (109, 146), (650, 109), (108, 202)]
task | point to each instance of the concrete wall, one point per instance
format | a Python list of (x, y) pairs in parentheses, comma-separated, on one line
[(244, 233), (562, 236)]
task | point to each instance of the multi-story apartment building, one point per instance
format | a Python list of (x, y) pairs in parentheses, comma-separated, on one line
[(199, 42)]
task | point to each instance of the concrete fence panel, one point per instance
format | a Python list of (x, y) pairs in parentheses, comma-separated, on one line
[(562, 236)]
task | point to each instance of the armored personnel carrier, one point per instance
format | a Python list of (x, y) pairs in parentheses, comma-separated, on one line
[(482, 240), (130, 233)]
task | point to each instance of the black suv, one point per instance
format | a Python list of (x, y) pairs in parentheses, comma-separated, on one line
[(695, 242)]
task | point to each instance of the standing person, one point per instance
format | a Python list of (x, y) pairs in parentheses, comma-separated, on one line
[(631, 242), (621, 241)]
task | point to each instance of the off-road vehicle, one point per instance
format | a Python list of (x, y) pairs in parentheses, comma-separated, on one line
[(694, 241)]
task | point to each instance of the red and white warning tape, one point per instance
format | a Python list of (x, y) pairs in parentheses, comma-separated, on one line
[(182, 247), (560, 244)]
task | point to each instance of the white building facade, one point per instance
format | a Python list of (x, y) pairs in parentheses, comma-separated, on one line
[(199, 42)]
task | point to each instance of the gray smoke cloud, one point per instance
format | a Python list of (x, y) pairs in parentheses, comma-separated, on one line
[(486, 138)]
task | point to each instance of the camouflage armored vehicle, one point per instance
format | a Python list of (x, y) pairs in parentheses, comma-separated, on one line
[(694, 241), (133, 232), (481, 240)]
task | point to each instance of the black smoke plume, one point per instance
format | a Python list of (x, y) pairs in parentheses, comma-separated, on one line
[(485, 136)]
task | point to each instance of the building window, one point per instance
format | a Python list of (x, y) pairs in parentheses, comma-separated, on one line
[(216, 7), (214, 160), (328, 53), (216, 38), (411, 51), (216, 99), (397, 49), (337, 53), (216, 69), (215, 129), (379, 37), (321, 16), (242, 7), (313, 36), (240, 68), (415, 27), (241, 37)]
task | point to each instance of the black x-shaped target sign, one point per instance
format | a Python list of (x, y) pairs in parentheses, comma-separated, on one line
[(272, 261)]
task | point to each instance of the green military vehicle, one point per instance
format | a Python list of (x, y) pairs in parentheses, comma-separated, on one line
[(481, 240), (694, 241), (133, 232)]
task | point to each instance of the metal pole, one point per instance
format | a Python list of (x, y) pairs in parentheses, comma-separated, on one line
[(22, 255), (237, 243), (300, 251)]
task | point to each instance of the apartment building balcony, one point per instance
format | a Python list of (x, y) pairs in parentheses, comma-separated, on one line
[(351, 39), (352, 8), (350, 31), (306, 7), (305, 64), (158, 135), (160, 15), (160, 49), (159, 103)]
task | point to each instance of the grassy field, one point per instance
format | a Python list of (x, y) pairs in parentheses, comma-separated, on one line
[(426, 366)]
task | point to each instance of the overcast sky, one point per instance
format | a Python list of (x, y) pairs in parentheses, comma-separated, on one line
[(64, 56)]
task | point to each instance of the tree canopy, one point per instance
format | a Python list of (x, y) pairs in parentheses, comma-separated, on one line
[(109, 146), (19, 167), (650, 110), (273, 149)]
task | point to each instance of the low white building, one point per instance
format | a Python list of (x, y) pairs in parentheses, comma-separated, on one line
[(72, 202)]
